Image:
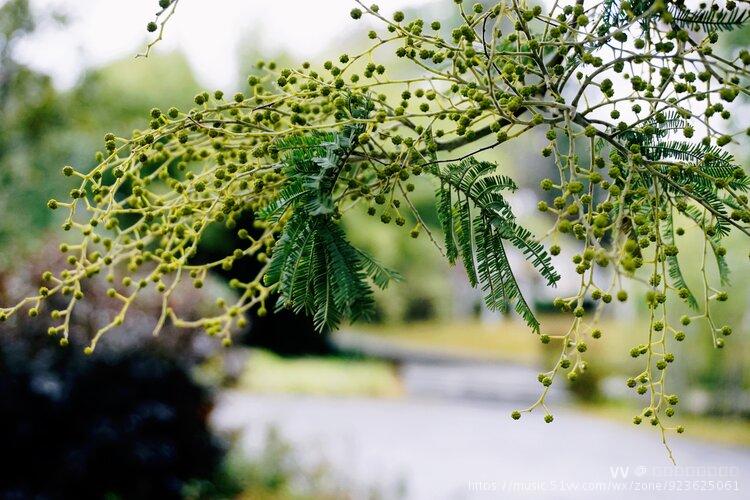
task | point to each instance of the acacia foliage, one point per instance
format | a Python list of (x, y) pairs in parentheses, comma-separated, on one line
[(634, 99)]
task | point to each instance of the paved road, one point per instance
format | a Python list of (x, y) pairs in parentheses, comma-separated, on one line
[(438, 448), (437, 373), (487, 382)]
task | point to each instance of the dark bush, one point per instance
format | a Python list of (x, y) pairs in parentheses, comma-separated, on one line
[(132, 425)]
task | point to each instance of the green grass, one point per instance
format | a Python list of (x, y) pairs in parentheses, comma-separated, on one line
[(509, 340), (267, 373), (473, 339)]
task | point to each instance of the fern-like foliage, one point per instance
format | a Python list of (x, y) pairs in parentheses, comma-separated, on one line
[(313, 266), (673, 262), (703, 165), (477, 220), (317, 271), (708, 19), (714, 235), (653, 129), (698, 168)]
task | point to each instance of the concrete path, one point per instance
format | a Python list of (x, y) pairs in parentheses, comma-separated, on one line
[(432, 449)]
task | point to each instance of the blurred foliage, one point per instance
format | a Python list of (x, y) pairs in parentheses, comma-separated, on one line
[(130, 424), (31, 113), (189, 347), (273, 473), (43, 128)]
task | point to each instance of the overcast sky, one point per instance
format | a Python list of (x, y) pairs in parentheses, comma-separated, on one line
[(209, 32)]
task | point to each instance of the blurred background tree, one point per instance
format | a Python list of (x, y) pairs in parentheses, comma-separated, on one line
[(32, 113)]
